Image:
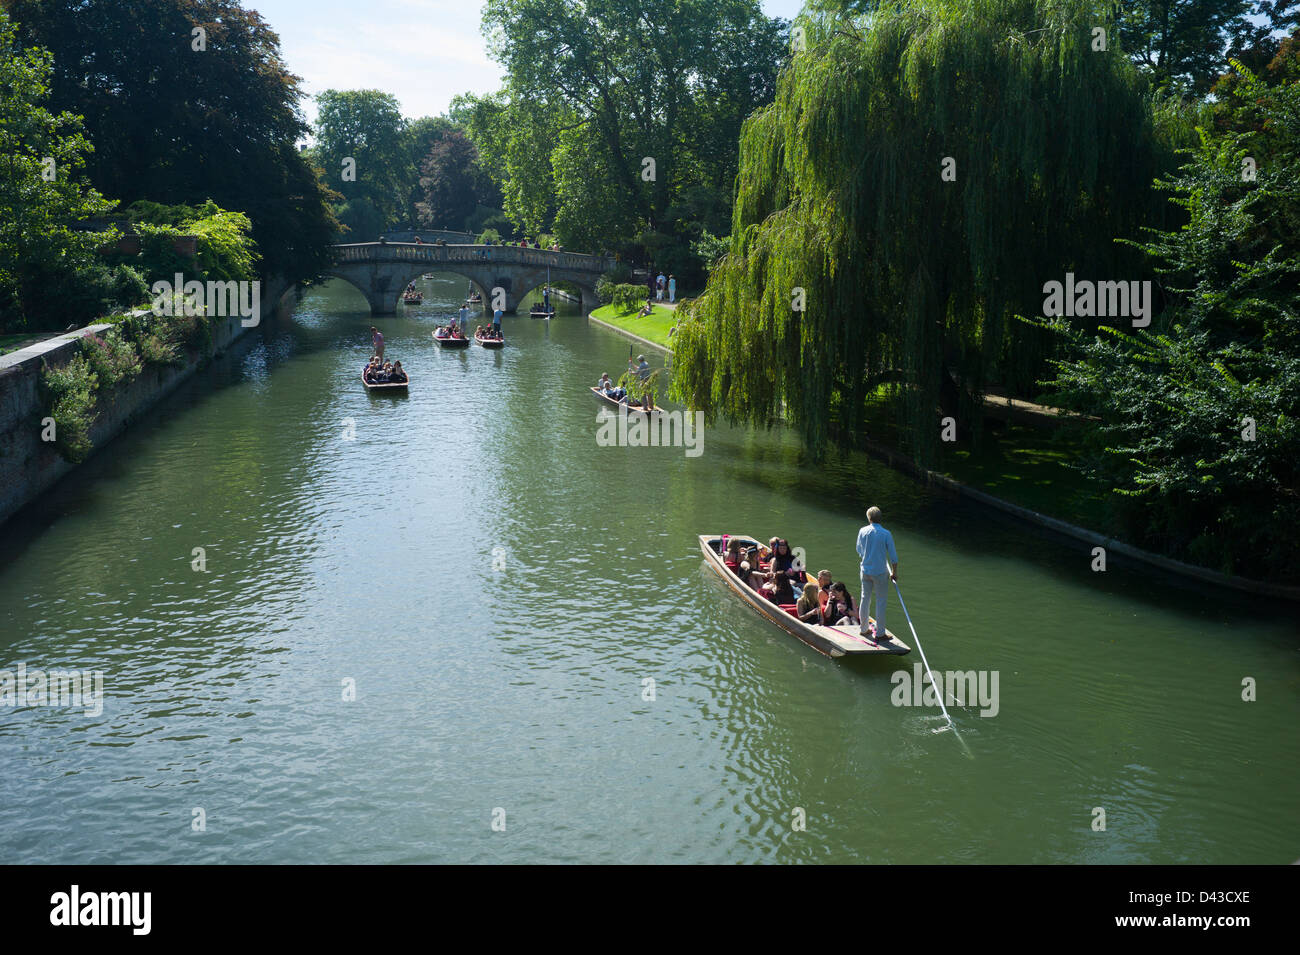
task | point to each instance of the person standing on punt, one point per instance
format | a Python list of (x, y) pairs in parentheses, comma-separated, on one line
[(464, 316), (377, 340), (496, 322), (879, 567)]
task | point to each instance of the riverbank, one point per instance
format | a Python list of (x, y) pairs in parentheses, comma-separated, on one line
[(30, 464), (1031, 481), (649, 329)]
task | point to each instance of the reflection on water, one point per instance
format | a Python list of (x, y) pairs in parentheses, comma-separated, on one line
[(499, 589)]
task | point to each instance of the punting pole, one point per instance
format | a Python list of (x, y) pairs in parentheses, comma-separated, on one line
[(938, 691)]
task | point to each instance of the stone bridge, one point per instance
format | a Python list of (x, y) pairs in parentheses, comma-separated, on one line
[(381, 270)]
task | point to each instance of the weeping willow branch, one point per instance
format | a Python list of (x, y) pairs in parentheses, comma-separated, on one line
[(840, 194)]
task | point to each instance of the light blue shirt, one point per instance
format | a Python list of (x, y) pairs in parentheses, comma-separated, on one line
[(874, 545), (496, 317)]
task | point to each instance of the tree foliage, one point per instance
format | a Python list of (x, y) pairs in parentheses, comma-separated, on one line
[(176, 124), (43, 194), (363, 146), (1202, 412), (594, 90), (910, 278)]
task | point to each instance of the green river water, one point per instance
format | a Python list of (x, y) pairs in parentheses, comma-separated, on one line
[(499, 588)]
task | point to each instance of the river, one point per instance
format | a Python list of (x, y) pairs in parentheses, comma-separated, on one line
[(497, 590)]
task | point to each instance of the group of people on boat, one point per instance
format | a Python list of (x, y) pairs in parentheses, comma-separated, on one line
[(451, 330), (380, 372), (776, 574), (609, 389), (491, 333)]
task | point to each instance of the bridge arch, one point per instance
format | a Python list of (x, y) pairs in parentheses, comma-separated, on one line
[(381, 270)]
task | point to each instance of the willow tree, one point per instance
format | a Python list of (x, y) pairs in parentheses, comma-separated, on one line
[(922, 172)]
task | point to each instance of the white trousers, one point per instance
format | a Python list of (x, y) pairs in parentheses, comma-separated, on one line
[(879, 583)]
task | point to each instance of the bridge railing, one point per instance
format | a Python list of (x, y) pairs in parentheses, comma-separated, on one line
[(475, 254)]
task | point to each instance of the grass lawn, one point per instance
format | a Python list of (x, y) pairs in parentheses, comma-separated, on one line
[(653, 327)]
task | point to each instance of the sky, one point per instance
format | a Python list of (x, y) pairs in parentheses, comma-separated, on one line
[(424, 52)]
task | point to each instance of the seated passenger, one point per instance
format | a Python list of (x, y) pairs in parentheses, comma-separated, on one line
[(732, 556), (777, 587), (823, 586), (783, 561), (808, 609), (604, 385), (839, 610), (397, 373)]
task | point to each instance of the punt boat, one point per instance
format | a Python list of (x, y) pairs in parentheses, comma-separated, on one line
[(445, 339), (541, 312), (489, 342), (383, 386), (631, 409), (832, 641)]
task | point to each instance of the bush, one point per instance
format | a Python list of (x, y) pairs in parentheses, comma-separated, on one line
[(129, 287), (112, 358), (155, 350), (489, 235), (617, 275), (70, 395), (628, 298)]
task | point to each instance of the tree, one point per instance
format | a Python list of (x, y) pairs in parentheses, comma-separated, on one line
[(1201, 412), (919, 177), (362, 142), (450, 182), (177, 120), (636, 101), (43, 193)]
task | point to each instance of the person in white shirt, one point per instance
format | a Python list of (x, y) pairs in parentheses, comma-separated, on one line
[(879, 567)]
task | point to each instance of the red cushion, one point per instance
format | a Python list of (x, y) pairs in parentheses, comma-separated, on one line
[(791, 609)]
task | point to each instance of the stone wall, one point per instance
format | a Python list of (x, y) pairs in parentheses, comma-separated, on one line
[(30, 466)]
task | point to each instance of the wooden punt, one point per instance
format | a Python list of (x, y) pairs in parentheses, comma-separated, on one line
[(445, 341), (541, 313), (489, 342), (384, 386), (832, 641), (631, 409), (415, 298)]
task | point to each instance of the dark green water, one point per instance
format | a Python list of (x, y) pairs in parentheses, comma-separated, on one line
[(521, 688)]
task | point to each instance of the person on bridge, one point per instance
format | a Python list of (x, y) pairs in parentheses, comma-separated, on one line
[(879, 567), (377, 340), (417, 241)]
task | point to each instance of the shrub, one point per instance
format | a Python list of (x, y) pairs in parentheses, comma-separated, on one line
[(70, 394), (129, 287), (628, 298), (155, 350), (617, 275), (111, 357)]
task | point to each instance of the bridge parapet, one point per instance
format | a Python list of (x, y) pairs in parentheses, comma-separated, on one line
[(470, 254)]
